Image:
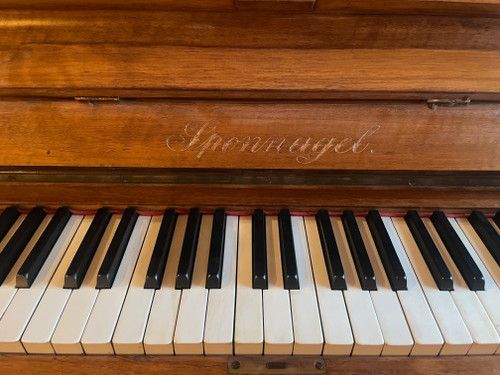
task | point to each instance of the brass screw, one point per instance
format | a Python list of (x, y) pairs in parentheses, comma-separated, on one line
[(235, 365)]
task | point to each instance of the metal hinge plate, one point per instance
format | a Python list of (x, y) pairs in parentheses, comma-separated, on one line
[(435, 103), (92, 100), (278, 365)]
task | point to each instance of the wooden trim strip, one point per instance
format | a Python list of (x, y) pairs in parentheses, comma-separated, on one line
[(248, 197), (466, 365), (237, 177), (427, 7)]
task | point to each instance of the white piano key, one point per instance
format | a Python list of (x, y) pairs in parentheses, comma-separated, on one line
[(159, 335), (456, 336), (368, 339), (36, 338), (494, 225), (8, 289), (490, 296), (424, 329), (481, 250), (278, 329), (305, 313), (21, 308), (131, 326), (96, 338), (484, 334), (69, 330), (397, 337), (188, 336), (220, 306), (334, 318), (248, 319)]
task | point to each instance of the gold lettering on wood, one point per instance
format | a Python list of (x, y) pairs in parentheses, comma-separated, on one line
[(204, 138)]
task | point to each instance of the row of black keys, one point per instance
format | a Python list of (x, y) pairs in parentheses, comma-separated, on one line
[(109, 267)]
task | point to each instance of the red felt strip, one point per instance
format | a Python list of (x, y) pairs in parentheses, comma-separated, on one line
[(239, 213), (298, 213), (83, 212), (151, 213)]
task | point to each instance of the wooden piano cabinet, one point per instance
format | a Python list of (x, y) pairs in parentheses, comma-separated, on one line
[(248, 104), (194, 365)]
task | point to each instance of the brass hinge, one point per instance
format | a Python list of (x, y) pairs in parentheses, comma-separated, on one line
[(435, 103), (276, 366), (92, 100)]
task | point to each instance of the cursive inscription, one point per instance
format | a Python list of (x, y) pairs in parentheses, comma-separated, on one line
[(204, 138)]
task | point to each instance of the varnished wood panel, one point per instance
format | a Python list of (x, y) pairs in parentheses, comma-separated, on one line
[(239, 30), (410, 6), (249, 197), (252, 135), (191, 365), (60, 70), (190, 5), (428, 7)]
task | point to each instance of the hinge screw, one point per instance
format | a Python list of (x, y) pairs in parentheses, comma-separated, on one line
[(235, 365)]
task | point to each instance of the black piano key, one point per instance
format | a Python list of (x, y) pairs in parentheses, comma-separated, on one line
[(487, 233), (86, 251), (288, 258), (216, 255), (259, 250), (393, 268), (19, 240), (156, 269), (439, 271), (7, 220), (330, 251), (188, 252), (112, 259), (464, 262), (496, 219), (358, 250), (35, 260)]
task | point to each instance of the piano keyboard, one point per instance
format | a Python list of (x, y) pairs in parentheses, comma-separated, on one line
[(266, 283)]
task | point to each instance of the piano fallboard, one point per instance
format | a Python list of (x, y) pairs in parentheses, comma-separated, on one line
[(301, 155)]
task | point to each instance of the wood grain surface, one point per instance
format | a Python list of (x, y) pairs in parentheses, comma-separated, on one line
[(252, 135), (247, 55), (191, 365), (173, 70), (238, 30), (427, 7), (249, 197)]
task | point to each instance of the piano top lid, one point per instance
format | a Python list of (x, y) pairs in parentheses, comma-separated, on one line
[(247, 55)]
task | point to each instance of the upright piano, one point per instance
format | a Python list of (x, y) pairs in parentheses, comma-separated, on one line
[(250, 186)]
